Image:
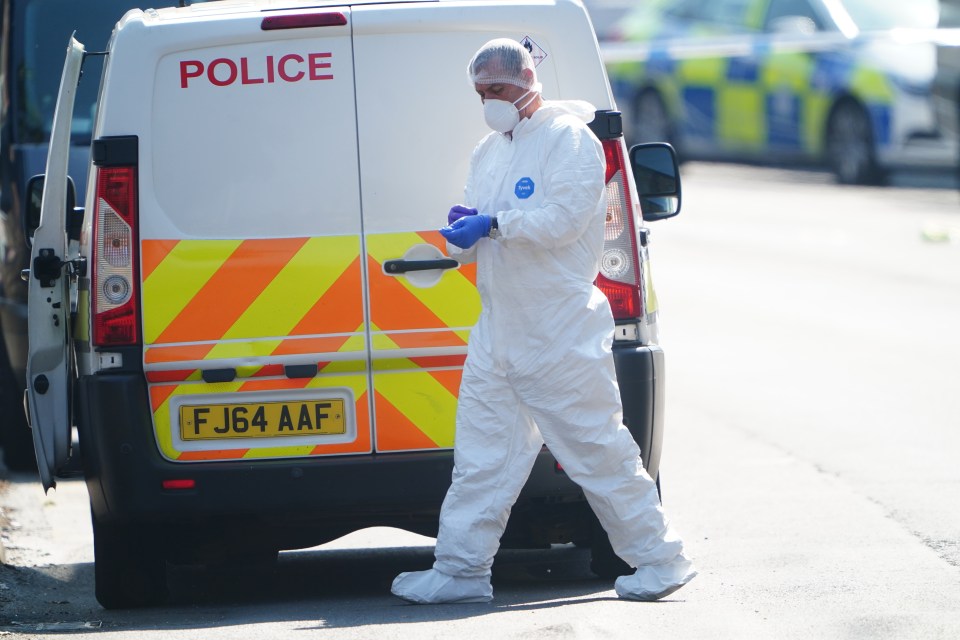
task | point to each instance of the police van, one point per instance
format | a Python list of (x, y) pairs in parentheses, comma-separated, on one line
[(256, 328)]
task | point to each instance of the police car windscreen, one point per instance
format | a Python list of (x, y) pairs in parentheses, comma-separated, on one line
[(880, 15)]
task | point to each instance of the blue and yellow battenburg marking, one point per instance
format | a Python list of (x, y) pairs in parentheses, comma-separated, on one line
[(757, 100)]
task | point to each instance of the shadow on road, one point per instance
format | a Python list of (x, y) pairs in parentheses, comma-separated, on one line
[(320, 588)]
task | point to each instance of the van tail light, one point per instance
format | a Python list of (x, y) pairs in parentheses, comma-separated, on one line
[(620, 270), (115, 296)]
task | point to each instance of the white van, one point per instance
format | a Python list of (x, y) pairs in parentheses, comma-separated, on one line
[(268, 337)]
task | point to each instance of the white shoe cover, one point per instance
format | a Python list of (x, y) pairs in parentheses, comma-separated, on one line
[(433, 587), (653, 582)]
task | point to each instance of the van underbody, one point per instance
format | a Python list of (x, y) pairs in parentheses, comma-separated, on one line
[(297, 503)]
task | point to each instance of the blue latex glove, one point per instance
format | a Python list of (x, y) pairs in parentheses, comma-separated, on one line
[(465, 232), (458, 211)]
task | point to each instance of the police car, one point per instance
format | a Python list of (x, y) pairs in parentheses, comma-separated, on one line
[(268, 337), (846, 83)]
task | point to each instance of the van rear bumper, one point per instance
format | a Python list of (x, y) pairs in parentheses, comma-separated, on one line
[(125, 471)]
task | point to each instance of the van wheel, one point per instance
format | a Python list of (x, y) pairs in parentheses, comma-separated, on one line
[(603, 561), (850, 145), (128, 567)]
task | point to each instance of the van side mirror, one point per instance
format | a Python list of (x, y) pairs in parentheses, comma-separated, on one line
[(34, 199), (657, 175)]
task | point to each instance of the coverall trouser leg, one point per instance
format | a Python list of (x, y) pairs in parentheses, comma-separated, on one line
[(501, 424), (495, 448)]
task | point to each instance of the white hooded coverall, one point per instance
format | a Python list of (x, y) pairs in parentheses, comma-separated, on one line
[(539, 366)]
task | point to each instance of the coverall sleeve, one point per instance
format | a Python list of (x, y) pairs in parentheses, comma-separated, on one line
[(573, 182), (468, 256)]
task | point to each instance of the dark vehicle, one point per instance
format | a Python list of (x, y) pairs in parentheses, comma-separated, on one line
[(32, 39)]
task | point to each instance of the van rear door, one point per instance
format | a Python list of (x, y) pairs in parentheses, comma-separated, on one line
[(49, 363), (254, 327), (418, 105)]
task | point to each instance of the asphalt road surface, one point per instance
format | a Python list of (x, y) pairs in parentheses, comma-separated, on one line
[(812, 335)]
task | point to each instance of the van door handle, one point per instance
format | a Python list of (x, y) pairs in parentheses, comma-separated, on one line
[(403, 266)]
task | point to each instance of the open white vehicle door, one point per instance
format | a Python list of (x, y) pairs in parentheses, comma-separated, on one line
[(49, 365)]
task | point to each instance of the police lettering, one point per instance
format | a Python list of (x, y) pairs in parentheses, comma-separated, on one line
[(223, 72)]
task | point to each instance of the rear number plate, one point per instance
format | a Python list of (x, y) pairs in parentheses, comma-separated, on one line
[(262, 419)]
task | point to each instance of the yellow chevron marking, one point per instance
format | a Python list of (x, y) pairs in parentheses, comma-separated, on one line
[(417, 395), (356, 342), (248, 372), (251, 349), (345, 366), (167, 291), (393, 364), (298, 286), (278, 452), (454, 299), (358, 384), (161, 417), (426, 402), (381, 342)]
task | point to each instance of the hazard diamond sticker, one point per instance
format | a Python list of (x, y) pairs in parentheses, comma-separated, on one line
[(534, 49)]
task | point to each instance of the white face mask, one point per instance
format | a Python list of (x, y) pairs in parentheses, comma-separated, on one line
[(504, 116)]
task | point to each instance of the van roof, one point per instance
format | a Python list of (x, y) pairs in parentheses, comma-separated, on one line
[(230, 6)]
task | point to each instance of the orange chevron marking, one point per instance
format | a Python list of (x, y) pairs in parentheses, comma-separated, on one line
[(159, 395), (395, 432), (392, 307), (169, 376), (339, 310), (273, 385), (152, 253), (304, 346), (450, 379), (219, 454), (427, 339), (246, 273), (177, 354), (468, 271), (269, 370), (362, 443), (429, 362)]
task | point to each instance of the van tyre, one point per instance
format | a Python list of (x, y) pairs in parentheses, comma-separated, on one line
[(603, 561), (850, 145), (128, 568)]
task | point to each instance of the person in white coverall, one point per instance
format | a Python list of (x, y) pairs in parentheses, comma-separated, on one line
[(539, 368)]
